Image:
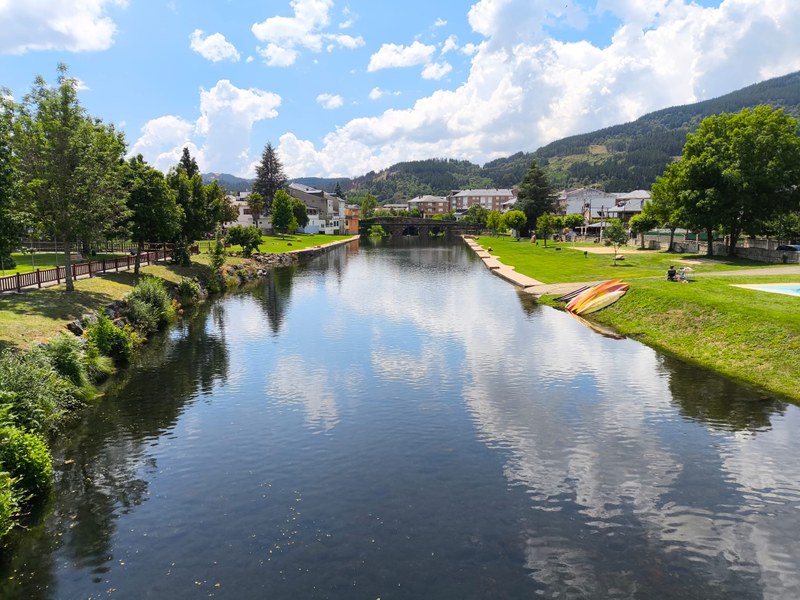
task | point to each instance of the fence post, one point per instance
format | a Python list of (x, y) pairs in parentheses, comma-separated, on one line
[(104, 265), (89, 264), (128, 259), (38, 278), (58, 274), (19, 285)]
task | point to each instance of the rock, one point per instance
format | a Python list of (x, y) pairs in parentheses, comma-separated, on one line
[(89, 319), (120, 323), (75, 327)]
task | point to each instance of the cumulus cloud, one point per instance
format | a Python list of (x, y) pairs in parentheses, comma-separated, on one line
[(436, 70), (78, 26), (213, 47), (526, 88), (391, 56), (440, 22), (377, 93), (285, 36), (451, 43), (330, 101), (227, 116)]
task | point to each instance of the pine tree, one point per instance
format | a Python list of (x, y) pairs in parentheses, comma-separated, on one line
[(536, 196), (269, 176), (189, 164), (338, 191)]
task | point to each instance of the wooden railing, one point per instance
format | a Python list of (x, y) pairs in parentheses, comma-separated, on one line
[(37, 278)]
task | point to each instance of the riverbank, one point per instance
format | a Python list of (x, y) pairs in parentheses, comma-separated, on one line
[(750, 336), (34, 316)]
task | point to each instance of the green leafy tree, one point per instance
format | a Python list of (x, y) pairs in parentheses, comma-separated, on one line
[(536, 196), (269, 176), (615, 234), (69, 165), (641, 224), (11, 220), (248, 238), (282, 215), (476, 215), (516, 220), (189, 164), (154, 214), (494, 221), (573, 221), (548, 224), (368, 205), (255, 203), (665, 205), (300, 212)]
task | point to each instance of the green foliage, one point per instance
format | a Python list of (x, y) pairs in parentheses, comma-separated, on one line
[(515, 219), (615, 234), (299, 212), (377, 231), (9, 505), (98, 366), (368, 205), (247, 237), (26, 458), (642, 223), (151, 291), (476, 215), (574, 220), (536, 196), (494, 221), (282, 215), (11, 219), (269, 176), (188, 291), (65, 353), (143, 316), (36, 394), (256, 204), (548, 224), (118, 343), (217, 251)]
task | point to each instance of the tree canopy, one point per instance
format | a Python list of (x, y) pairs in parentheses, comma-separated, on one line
[(269, 176), (536, 196), (282, 215)]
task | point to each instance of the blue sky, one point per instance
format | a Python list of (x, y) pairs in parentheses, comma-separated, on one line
[(341, 88)]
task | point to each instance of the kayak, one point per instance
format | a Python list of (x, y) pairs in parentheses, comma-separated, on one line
[(601, 301), (575, 305)]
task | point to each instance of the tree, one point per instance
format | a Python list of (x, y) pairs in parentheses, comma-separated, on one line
[(337, 191), (11, 220), (548, 224), (269, 176), (70, 165), (368, 204), (248, 238), (574, 220), (282, 214), (476, 215), (515, 219), (255, 203), (665, 205), (300, 212), (615, 234), (189, 164), (494, 221), (536, 196), (154, 214), (641, 224)]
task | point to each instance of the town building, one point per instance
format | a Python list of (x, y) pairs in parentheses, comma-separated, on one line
[(500, 200), (326, 212), (352, 214), (628, 204), (430, 205)]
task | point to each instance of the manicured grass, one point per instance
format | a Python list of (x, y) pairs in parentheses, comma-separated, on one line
[(277, 244), (43, 260), (563, 262)]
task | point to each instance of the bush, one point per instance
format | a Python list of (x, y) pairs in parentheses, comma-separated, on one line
[(151, 291), (65, 353), (143, 316), (111, 340), (8, 504), (36, 394), (247, 237), (98, 365), (26, 458), (188, 291)]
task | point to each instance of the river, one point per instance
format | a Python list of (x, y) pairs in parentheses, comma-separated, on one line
[(392, 421)]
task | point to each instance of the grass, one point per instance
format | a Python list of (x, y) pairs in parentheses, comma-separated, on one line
[(277, 244), (560, 262), (750, 336), (44, 260)]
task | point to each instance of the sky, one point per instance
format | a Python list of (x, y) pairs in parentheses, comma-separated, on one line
[(341, 88)]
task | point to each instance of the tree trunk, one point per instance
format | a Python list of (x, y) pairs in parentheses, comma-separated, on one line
[(671, 238), (642, 235), (732, 242), (68, 268), (709, 242), (137, 263)]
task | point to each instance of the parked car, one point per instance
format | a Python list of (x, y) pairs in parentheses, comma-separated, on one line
[(789, 248)]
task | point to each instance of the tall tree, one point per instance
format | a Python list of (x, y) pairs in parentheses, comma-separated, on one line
[(282, 215), (189, 164), (536, 196), (300, 213), (515, 219), (11, 220), (269, 176), (368, 205), (69, 164), (337, 191), (255, 204), (154, 213), (548, 224), (665, 205), (642, 223)]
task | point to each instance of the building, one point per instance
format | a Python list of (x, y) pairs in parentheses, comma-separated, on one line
[(326, 212), (628, 204), (244, 218), (589, 202), (430, 205), (491, 199), (352, 214)]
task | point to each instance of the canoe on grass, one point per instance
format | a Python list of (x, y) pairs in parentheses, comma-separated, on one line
[(578, 301), (602, 300)]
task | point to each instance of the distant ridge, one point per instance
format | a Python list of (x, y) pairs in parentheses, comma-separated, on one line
[(619, 158)]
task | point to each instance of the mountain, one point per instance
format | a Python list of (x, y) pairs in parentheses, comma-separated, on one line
[(620, 158), (229, 183)]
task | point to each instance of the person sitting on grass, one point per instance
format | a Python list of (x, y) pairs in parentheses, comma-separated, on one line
[(672, 274)]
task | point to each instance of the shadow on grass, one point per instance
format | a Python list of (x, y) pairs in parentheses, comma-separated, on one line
[(55, 304)]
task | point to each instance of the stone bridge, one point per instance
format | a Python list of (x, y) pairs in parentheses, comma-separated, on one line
[(420, 227)]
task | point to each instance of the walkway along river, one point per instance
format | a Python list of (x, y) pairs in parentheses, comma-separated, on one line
[(395, 422)]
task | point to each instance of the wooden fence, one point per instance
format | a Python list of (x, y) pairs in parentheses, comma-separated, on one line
[(37, 278)]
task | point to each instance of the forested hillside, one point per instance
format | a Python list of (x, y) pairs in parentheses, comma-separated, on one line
[(619, 158)]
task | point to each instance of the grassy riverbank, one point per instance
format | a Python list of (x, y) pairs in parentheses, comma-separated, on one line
[(745, 334)]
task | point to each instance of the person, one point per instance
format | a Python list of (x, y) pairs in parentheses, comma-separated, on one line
[(672, 273)]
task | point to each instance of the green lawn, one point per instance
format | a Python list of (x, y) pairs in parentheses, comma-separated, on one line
[(563, 262), (277, 244), (43, 260)]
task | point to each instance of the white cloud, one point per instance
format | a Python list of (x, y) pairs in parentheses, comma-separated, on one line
[(227, 116), (77, 26), (377, 93), (284, 36), (330, 101), (214, 47), (451, 43), (396, 55), (525, 89), (436, 70), (440, 22)]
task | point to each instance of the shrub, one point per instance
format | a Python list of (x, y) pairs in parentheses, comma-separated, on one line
[(188, 291), (143, 316), (151, 291), (98, 365), (35, 392), (8, 504), (26, 458), (111, 340), (247, 237), (65, 353)]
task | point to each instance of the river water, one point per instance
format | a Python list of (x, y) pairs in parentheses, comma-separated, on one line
[(395, 422)]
